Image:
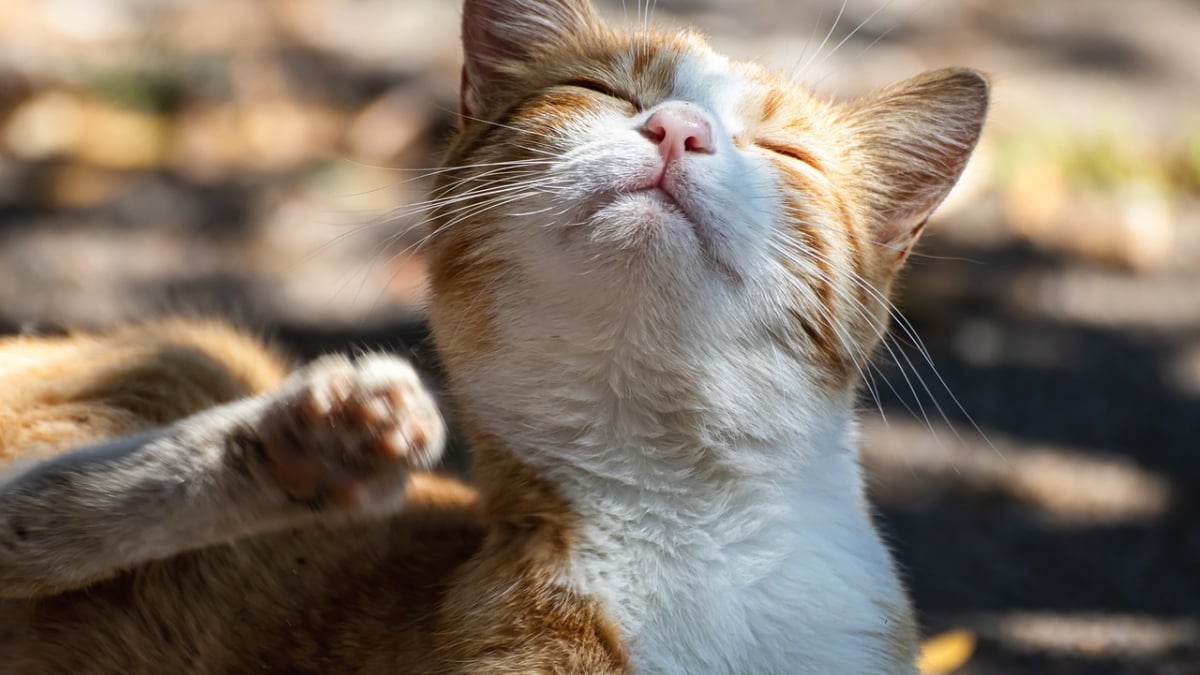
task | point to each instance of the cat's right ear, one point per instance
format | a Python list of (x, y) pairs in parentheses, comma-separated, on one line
[(501, 36)]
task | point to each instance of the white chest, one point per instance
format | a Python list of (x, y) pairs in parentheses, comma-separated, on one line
[(719, 501), (769, 580)]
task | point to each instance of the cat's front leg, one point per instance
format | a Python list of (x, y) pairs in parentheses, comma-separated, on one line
[(337, 439)]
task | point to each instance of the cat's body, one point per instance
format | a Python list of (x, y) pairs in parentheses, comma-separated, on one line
[(296, 600), (657, 276)]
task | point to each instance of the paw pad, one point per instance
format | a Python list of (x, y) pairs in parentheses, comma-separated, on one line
[(351, 431)]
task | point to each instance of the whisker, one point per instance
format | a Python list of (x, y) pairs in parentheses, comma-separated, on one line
[(828, 35), (808, 43), (502, 126), (851, 34), (904, 364), (871, 45)]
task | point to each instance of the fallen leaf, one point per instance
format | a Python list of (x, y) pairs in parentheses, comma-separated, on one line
[(946, 653)]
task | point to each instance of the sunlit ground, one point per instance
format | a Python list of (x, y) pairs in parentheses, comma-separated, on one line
[(264, 160)]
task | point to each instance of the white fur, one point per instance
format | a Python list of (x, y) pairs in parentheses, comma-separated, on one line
[(769, 566), (723, 522)]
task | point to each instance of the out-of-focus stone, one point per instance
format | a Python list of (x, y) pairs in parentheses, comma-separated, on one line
[(1131, 225), (281, 134), (1097, 635), (47, 124), (1110, 299), (208, 143), (1061, 485), (78, 186), (120, 138), (388, 125), (88, 21), (217, 25), (1036, 200), (1147, 224), (411, 36)]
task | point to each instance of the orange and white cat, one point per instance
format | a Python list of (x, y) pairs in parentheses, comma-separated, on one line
[(657, 276)]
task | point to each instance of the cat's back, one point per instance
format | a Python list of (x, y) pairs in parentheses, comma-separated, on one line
[(58, 392)]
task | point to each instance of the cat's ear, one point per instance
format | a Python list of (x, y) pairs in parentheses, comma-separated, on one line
[(911, 143), (500, 36)]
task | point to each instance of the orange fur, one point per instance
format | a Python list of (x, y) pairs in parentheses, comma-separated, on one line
[(221, 610), (62, 392), (462, 581)]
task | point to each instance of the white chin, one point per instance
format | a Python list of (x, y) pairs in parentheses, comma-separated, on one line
[(648, 221)]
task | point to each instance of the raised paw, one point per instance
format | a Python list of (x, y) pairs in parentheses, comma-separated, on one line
[(349, 431)]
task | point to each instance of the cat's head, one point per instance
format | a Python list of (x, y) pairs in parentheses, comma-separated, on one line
[(633, 184)]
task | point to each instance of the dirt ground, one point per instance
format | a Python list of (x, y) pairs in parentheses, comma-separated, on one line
[(1037, 470)]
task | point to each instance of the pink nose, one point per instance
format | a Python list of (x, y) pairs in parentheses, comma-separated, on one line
[(679, 128)]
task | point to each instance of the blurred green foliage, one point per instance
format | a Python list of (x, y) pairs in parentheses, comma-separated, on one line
[(1102, 162), (152, 91)]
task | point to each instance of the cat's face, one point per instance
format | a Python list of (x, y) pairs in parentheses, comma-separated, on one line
[(617, 177)]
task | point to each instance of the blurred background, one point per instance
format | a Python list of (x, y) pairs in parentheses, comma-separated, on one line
[(261, 160)]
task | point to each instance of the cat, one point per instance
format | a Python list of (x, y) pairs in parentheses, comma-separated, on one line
[(657, 275)]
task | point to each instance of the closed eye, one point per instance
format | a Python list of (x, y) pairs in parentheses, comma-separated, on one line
[(602, 88), (791, 152)]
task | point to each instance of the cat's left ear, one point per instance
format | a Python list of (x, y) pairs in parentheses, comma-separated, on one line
[(910, 144), (500, 37)]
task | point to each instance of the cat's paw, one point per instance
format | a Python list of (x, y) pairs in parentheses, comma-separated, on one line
[(348, 432)]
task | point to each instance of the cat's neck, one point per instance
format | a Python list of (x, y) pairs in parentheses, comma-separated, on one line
[(670, 429), (705, 509), (703, 568)]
